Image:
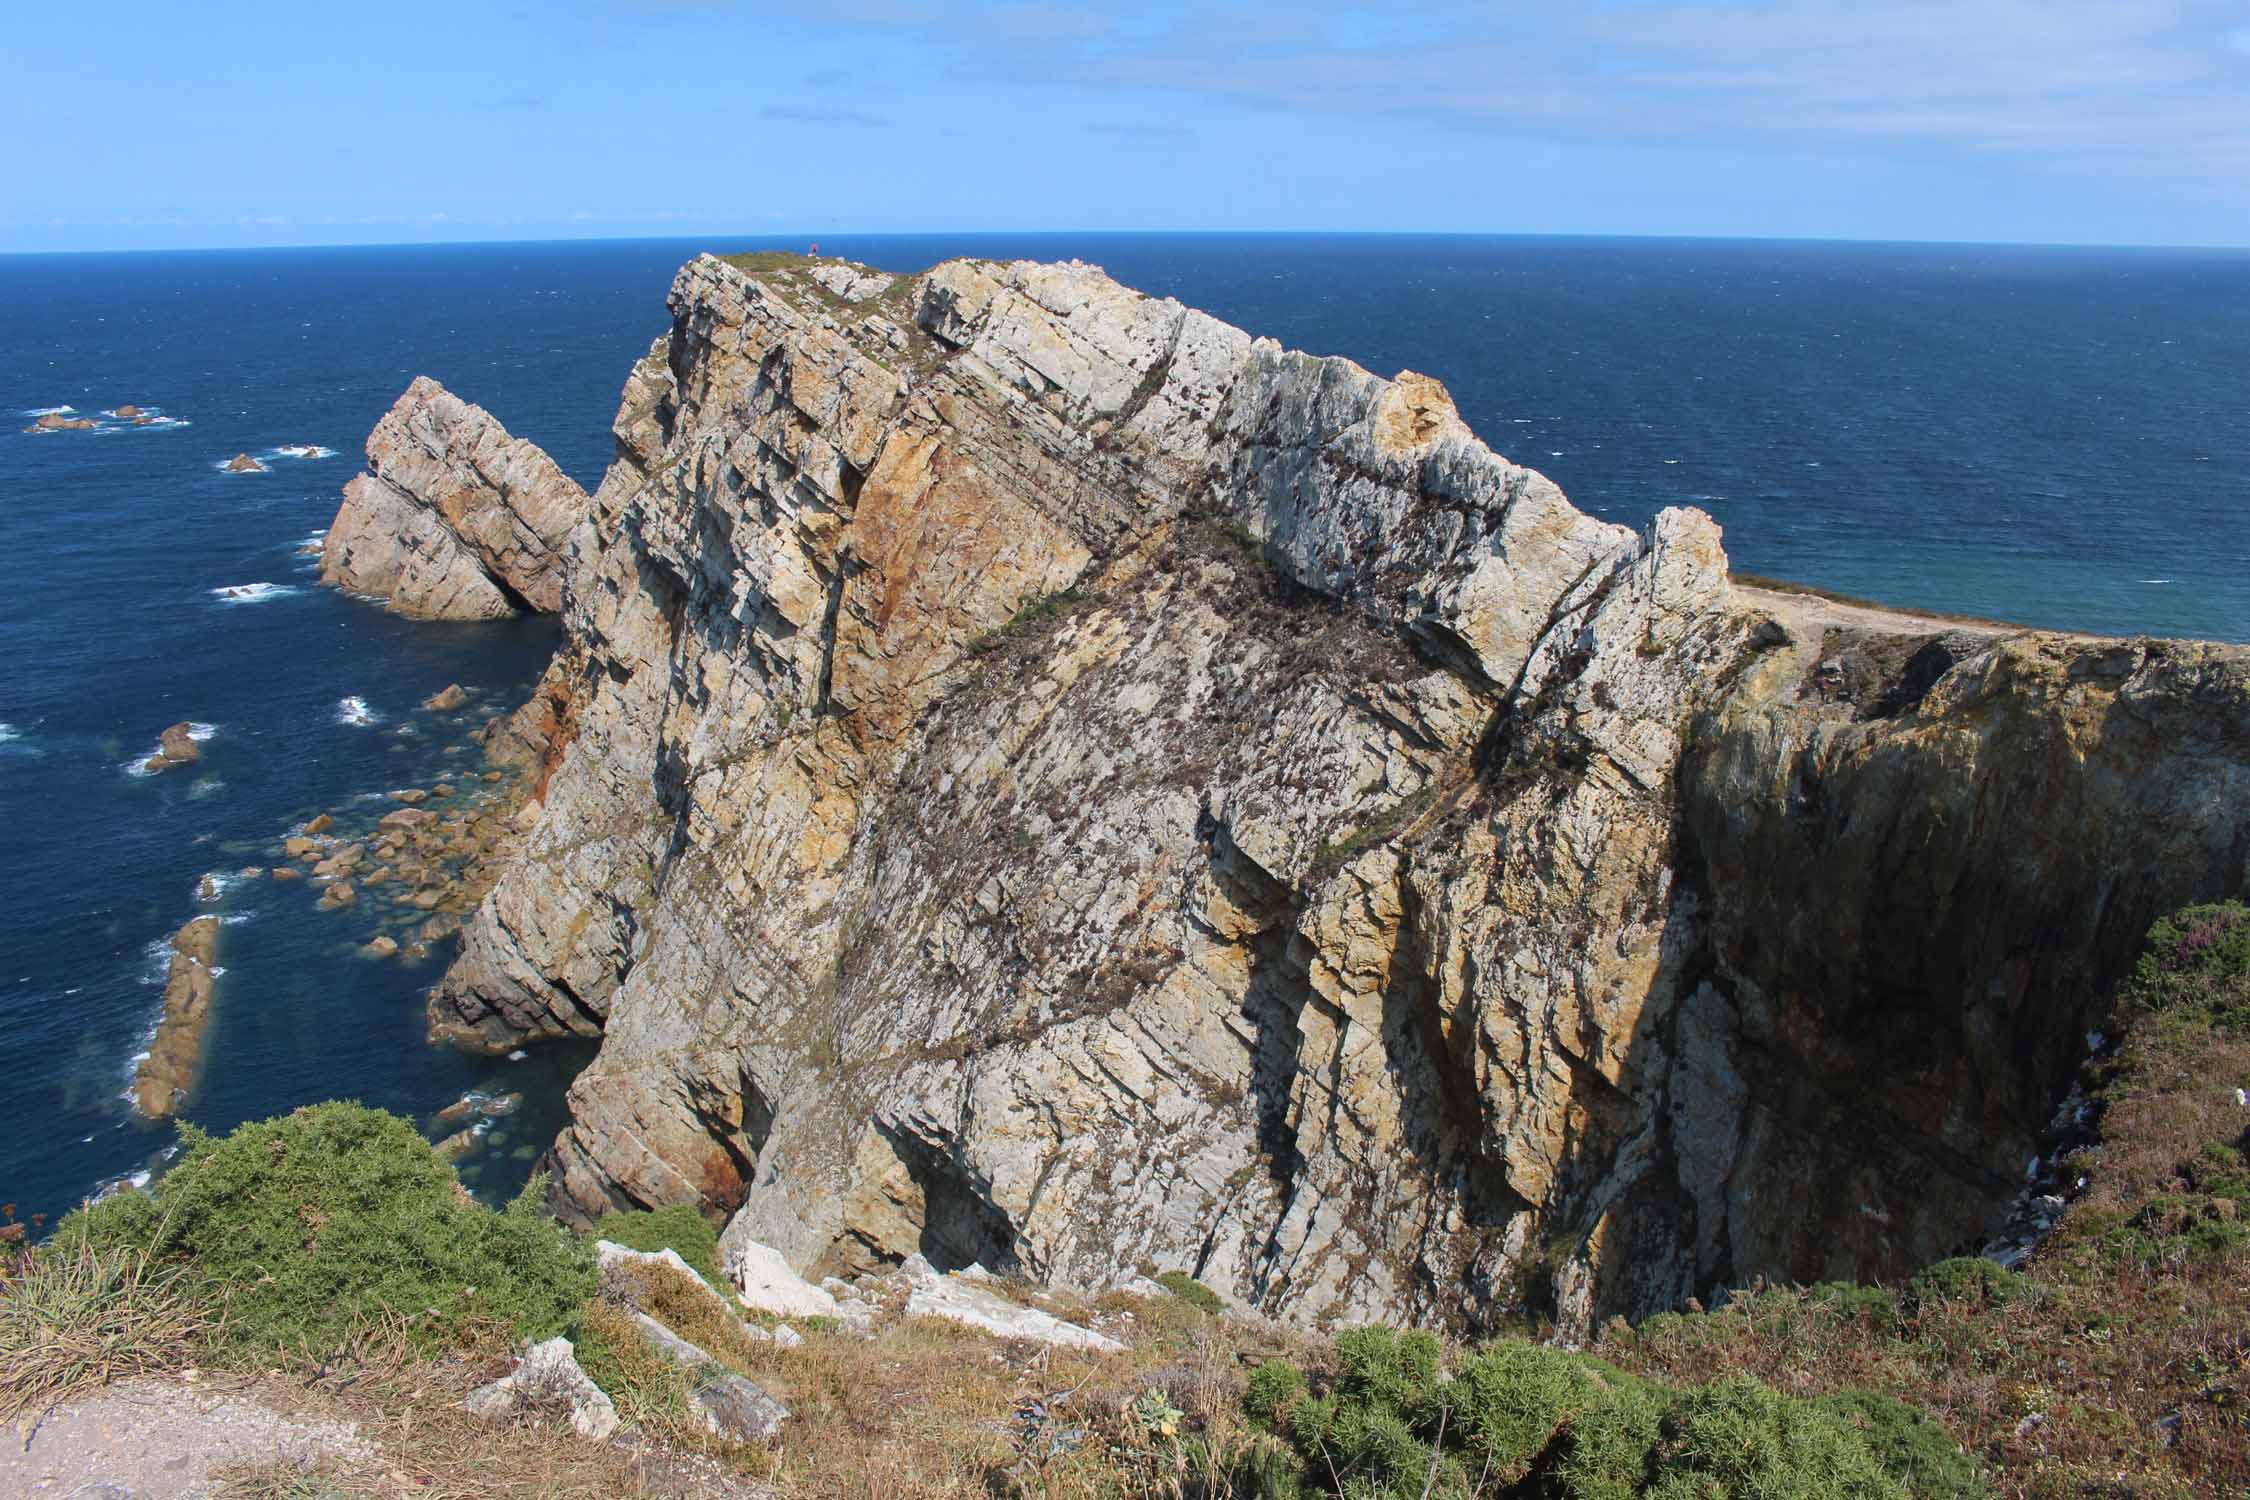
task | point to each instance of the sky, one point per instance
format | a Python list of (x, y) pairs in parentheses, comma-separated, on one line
[(166, 125)]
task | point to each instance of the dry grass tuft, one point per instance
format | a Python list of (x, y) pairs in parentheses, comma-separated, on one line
[(75, 1318)]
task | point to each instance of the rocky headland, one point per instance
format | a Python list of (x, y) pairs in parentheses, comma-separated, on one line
[(1038, 777), (454, 519)]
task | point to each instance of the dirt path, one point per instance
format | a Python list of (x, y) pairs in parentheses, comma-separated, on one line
[(162, 1439)]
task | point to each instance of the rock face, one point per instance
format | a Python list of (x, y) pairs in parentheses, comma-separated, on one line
[(454, 519), (1038, 777), (168, 1071)]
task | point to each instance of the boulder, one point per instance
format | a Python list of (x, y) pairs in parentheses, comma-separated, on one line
[(57, 422), (380, 947), (410, 796), (765, 1283), (407, 819), (126, 412), (446, 699), (287, 872), (338, 895), (243, 463), (730, 1405), (454, 519), (547, 1375), (320, 824), (955, 1300)]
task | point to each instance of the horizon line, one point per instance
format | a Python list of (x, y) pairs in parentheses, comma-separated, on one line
[(882, 234)]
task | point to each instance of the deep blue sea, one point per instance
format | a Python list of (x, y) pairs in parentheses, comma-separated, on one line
[(2055, 436)]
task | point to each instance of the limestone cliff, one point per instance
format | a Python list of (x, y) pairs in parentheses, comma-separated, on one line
[(1037, 775), (454, 519)]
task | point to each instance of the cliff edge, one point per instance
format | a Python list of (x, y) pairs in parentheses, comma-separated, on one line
[(1038, 776)]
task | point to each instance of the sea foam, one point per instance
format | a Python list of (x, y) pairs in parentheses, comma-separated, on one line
[(251, 593), (354, 711)]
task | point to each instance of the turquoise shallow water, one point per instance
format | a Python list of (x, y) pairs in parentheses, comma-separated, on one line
[(2055, 436)]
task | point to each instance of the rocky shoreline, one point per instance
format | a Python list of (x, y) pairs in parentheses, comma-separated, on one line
[(409, 874)]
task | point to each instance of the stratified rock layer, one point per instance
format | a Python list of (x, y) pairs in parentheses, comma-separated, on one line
[(1038, 777), (454, 519)]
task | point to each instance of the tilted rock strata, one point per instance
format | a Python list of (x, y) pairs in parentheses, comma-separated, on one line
[(1039, 777), (454, 519), (166, 1074)]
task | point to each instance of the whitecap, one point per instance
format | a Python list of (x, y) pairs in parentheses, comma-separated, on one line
[(1671, 460), (156, 961), (2156, 580), (251, 593), (9, 732), (354, 711), (49, 411), (201, 732)]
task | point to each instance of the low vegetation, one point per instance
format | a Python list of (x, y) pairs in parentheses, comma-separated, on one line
[(314, 1223), (330, 1257)]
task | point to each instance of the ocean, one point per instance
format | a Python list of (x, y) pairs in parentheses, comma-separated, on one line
[(2055, 436)]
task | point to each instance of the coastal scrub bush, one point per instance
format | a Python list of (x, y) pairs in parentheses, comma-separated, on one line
[(1969, 1280), (1522, 1419), (312, 1223), (679, 1228)]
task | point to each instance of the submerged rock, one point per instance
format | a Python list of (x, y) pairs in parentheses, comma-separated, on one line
[(454, 519), (166, 1074), (446, 699)]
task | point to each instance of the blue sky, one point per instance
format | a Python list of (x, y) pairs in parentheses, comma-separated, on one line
[(132, 124)]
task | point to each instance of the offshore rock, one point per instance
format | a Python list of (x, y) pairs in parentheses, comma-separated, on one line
[(168, 1071), (454, 519), (1038, 777)]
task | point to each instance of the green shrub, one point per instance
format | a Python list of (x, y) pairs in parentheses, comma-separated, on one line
[(681, 1227), (1522, 1419), (1273, 1388), (312, 1222), (1967, 1280), (2198, 960), (1910, 1446), (1738, 1437), (1194, 1293), (1851, 1301)]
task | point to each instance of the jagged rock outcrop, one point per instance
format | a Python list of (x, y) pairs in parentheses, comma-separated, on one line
[(454, 519), (1039, 777)]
